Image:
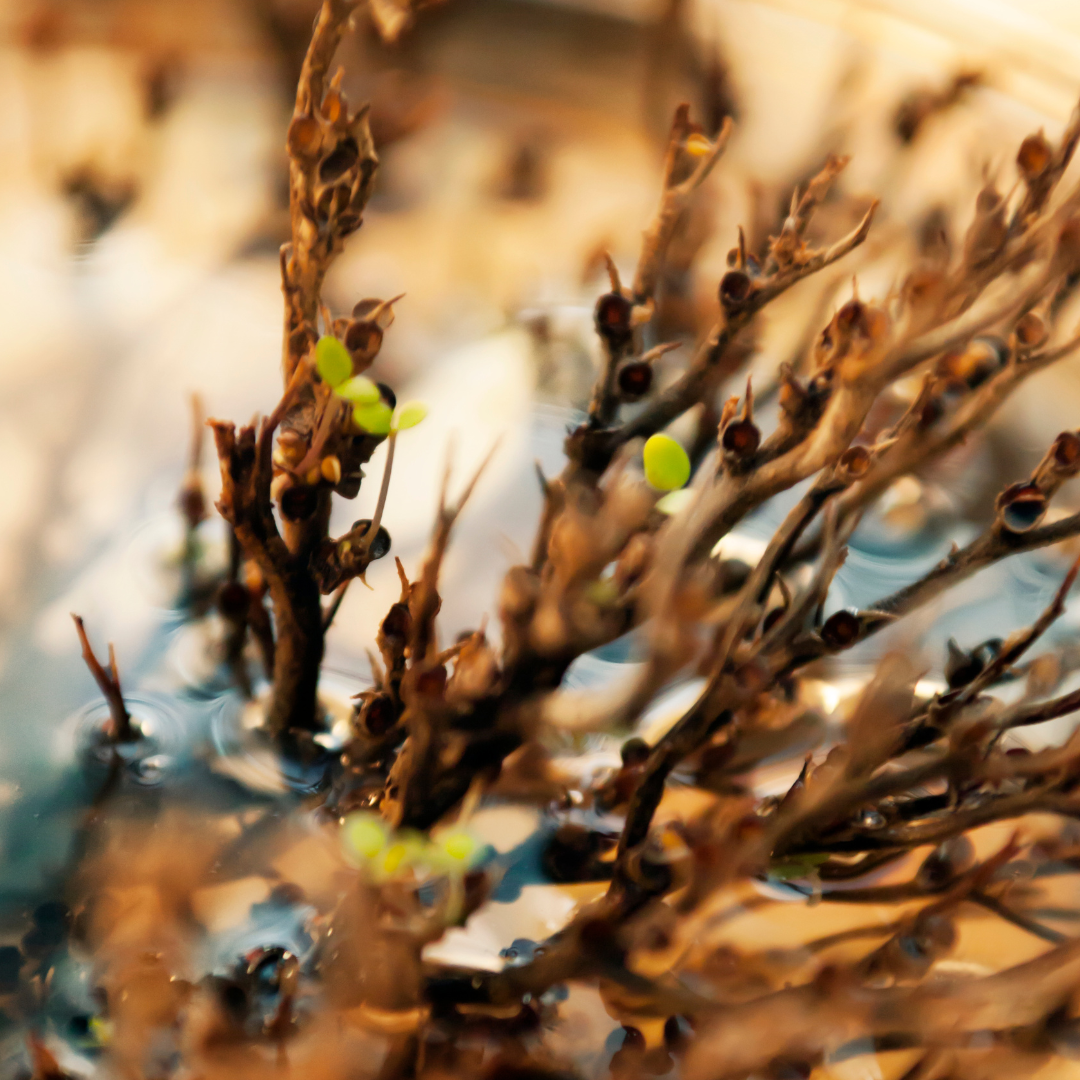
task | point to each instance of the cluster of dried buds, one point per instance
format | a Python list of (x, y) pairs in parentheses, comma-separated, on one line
[(444, 726)]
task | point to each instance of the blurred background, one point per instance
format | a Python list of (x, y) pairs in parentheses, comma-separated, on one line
[(143, 202)]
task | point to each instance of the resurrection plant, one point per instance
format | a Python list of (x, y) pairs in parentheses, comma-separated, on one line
[(628, 540)]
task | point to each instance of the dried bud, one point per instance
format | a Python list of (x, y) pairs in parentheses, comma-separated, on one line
[(614, 315), (376, 715), (1030, 331), (1021, 507), (1066, 451), (855, 461), (977, 362), (841, 629), (298, 502), (741, 439), (304, 138), (635, 379), (363, 339), (1033, 157), (735, 289), (397, 625)]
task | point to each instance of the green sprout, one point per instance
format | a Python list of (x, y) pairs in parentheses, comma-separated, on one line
[(409, 415), (364, 835), (359, 390), (667, 466), (332, 361), (374, 418), (455, 851)]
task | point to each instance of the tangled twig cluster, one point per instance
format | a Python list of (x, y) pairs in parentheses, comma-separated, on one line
[(444, 727)]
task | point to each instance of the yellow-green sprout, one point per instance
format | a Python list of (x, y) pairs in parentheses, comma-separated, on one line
[(359, 390), (374, 418), (332, 361), (667, 466), (365, 836), (409, 415), (455, 851), (403, 851)]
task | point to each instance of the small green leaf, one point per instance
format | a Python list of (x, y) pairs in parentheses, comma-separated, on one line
[(456, 851), (409, 415), (374, 418), (666, 465), (675, 501), (364, 834), (360, 390), (332, 361)]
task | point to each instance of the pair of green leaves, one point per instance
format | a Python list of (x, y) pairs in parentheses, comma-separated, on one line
[(370, 412)]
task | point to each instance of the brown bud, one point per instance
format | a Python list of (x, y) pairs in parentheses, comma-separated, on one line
[(613, 318), (1021, 507), (741, 438), (1066, 450), (735, 289), (376, 716), (1031, 331), (397, 624), (363, 339), (841, 629), (976, 362), (855, 460), (635, 379), (298, 502), (304, 138), (1033, 157)]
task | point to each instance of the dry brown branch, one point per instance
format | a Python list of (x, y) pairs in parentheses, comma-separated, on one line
[(121, 728)]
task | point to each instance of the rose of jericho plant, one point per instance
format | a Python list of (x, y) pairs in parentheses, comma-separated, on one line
[(442, 727)]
